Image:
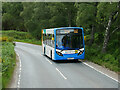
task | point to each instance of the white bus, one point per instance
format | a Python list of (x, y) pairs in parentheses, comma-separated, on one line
[(65, 43)]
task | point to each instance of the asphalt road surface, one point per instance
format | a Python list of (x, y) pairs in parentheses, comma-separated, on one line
[(38, 71)]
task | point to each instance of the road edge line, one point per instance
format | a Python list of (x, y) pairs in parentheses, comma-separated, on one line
[(100, 72), (19, 76)]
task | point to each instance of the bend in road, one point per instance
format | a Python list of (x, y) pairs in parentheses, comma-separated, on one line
[(38, 71)]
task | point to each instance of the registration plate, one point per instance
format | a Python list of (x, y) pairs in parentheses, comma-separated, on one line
[(70, 58)]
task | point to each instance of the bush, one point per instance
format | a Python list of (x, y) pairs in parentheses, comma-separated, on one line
[(98, 37), (8, 62), (108, 57), (94, 54), (3, 39), (12, 35), (6, 39), (10, 39), (16, 34), (87, 39)]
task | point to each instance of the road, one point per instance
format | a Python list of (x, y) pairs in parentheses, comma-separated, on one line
[(38, 71)]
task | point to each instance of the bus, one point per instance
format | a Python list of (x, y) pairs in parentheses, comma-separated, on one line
[(65, 43)]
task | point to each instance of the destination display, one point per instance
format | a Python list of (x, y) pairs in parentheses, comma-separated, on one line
[(67, 31)]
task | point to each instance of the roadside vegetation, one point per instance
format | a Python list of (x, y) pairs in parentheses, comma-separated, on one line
[(8, 60), (100, 20), (109, 60), (12, 35), (8, 56)]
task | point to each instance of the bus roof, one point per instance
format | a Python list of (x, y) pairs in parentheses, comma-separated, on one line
[(51, 31), (65, 28)]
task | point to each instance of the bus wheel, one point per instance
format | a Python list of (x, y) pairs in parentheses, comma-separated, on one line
[(44, 50), (51, 54)]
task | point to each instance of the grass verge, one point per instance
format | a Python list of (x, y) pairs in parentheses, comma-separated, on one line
[(18, 36), (108, 60), (38, 42), (8, 56), (8, 62)]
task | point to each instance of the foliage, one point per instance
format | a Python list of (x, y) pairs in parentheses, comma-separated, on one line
[(107, 60), (88, 12), (38, 16), (16, 34), (8, 56), (12, 35), (105, 10), (8, 62), (11, 15), (32, 41)]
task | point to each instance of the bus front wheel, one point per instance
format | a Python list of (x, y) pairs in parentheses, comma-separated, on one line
[(51, 54), (44, 50)]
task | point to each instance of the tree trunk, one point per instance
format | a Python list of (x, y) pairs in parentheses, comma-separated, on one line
[(69, 18), (92, 35), (106, 38), (93, 27)]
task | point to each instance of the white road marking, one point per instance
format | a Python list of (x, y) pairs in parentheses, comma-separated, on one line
[(20, 69), (49, 61), (61, 73), (100, 72), (19, 76), (18, 84)]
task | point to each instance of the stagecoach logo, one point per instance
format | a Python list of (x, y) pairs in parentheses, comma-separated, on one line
[(76, 51)]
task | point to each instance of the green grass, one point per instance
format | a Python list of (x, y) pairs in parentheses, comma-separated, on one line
[(108, 60), (8, 62), (20, 37), (37, 42)]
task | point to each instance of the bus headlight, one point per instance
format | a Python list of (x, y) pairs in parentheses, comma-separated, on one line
[(60, 54), (80, 52)]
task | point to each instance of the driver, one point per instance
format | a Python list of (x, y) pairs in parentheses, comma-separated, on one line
[(65, 40)]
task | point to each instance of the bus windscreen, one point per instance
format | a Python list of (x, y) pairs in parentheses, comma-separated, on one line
[(70, 39)]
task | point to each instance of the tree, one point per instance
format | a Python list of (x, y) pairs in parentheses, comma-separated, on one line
[(108, 14), (70, 13), (11, 15), (36, 17), (86, 17), (57, 16), (26, 14)]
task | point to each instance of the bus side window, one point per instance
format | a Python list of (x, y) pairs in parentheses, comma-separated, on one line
[(45, 39), (53, 41), (50, 39)]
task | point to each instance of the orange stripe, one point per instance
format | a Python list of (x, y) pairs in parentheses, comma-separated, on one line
[(42, 35)]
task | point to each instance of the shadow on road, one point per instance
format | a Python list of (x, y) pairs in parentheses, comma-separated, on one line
[(66, 61), (63, 61)]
